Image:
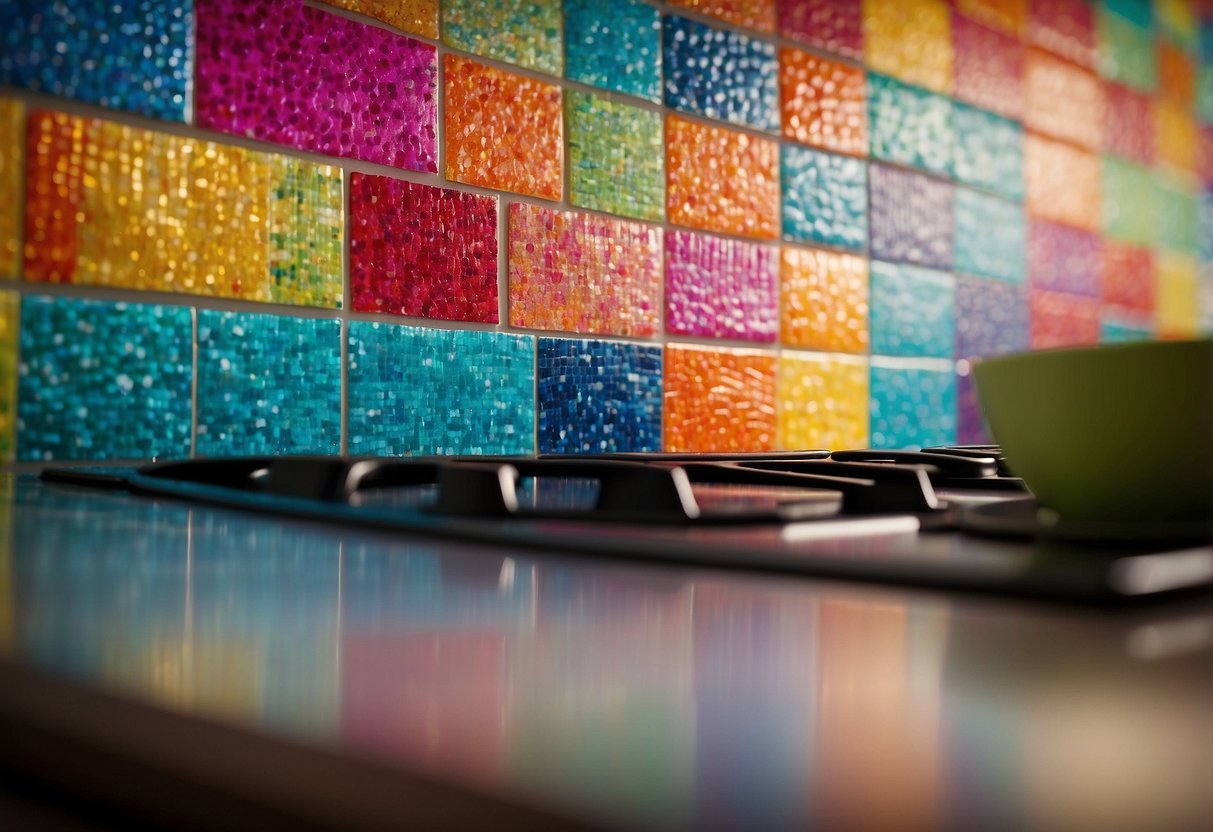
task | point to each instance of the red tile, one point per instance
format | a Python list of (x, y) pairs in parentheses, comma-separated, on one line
[(832, 25), (1129, 277), (1061, 320)]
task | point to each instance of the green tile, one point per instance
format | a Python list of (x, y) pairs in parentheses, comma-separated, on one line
[(1126, 52), (616, 157), (1178, 218), (527, 33), (1128, 202)]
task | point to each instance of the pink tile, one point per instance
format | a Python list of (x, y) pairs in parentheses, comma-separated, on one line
[(721, 288), (988, 67)]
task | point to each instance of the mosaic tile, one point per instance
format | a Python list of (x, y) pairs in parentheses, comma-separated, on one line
[(831, 25), (527, 33), (1176, 136), (616, 157), (114, 205), (12, 184), (913, 403), (1064, 27), (991, 317), (721, 180), (503, 131), (1177, 222), (1061, 320), (615, 45), (825, 198), (1176, 74), (824, 303), (1062, 100), (824, 102), (348, 89), (909, 126), (598, 397), (1137, 12), (1063, 183), (1064, 259), (720, 74), (417, 391), (268, 384), (1128, 123), (721, 288), (1009, 16), (100, 380), (823, 402), (578, 272), (988, 67), (910, 40), (911, 218), (1128, 276), (417, 17), (10, 317), (718, 400), (422, 251), (129, 55), (1204, 94), (1126, 51), (1130, 200), (1117, 332), (970, 423), (991, 234), (989, 151), (1177, 313), (912, 311), (750, 14)]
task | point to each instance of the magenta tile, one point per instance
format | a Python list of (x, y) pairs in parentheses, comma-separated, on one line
[(423, 251), (833, 25), (988, 67), (1064, 259), (286, 73), (721, 288)]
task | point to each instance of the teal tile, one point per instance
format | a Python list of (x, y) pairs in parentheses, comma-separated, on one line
[(616, 157), (825, 197), (913, 404), (1126, 52), (910, 126), (614, 45), (991, 236), (989, 151), (527, 33), (911, 311)]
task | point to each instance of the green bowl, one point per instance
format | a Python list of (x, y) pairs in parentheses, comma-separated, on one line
[(1118, 432)]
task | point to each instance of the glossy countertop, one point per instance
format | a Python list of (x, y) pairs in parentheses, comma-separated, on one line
[(617, 693)]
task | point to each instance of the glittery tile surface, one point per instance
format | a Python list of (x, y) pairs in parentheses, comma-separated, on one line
[(306, 232), (1138, 12), (53, 193), (1177, 313), (991, 233), (824, 300), (417, 17), (1008, 16), (129, 55), (294, 75), (721, 180), (268, 384), (503, 130), (12, 183), (721, 288), (598, 397), (1130, 200), (578, 272), (1176, 74), (416, 391), (910, 126), (1178, 218), (912, 311), (720, 74), (989, 151), (751, 14), (911, 218), (1065, 28), (1128, 276), (423, 251), (103, 380), (1126, 51), (1063, 100), (988, 67), (1128, 123), (1063, 182), (825, 198), (991, 317), (910, 40), (912, 406), (718, 400), (616, 157), (1176, 136), (615, 45), (824, 102), (10, 315), (522, 32), (823, 402), (1064, 259), (1061, 320), (831, 25)]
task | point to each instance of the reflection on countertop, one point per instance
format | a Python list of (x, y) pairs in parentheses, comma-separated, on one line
[(633, 696)]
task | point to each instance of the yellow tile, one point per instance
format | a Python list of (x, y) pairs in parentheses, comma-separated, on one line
[(823, 401), (1177, 313), (12, 143), (824, 304), (1176, 135), (910, 40)]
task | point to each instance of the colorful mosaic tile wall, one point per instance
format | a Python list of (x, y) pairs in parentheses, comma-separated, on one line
[(489, 226)]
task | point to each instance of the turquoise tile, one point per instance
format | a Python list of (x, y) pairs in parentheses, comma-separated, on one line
[(989, 151), (614, 45), (825, 198), (1131, 197), (910, 126), (912, 406), (911, 311), (1178, 219), (991, 236)]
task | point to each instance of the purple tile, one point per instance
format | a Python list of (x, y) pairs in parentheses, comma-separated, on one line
[(721, 288), (292, 75), (911, 218), (1063, 259), (991, 317), (970, 427)]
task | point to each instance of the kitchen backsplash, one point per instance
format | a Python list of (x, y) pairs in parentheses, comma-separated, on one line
[(517, 226)]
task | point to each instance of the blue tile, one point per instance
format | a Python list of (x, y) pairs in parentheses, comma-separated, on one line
[(912, 406), (101, 380), (720, 74), (991, 317), (414, 390), (125, 54), (909, 126), (911, 311), (614, 45), (991, 236), (598, 396), (911, 218), (989, 151), (268, 384), (825, 197)]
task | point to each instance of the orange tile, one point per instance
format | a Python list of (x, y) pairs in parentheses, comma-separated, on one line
[(824, 102), (54, 193), (1008, 15), (503, 131), (721, 180), (1175, 136), (1063, 183), (718, 399), (1176, 74), (910, 40), (417, 17), (752, 14), (824, 300), (823, 401), (1063, 100), (12, 181)]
